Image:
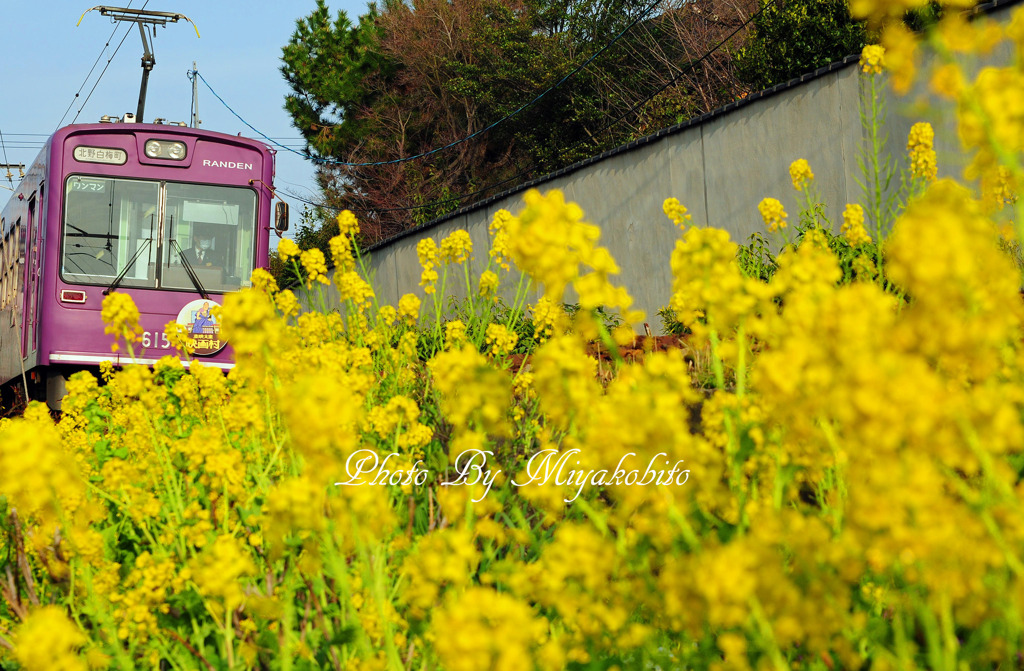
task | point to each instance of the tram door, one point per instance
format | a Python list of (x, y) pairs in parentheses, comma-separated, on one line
[(30, 325)]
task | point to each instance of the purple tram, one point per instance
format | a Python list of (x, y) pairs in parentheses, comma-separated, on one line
[(173, 216)]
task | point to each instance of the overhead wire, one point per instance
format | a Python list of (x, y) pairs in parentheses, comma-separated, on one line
[(650, 7), (683, 70), (86, 80), (103, 72)]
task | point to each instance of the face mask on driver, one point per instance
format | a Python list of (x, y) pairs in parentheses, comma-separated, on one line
[(205, 244)]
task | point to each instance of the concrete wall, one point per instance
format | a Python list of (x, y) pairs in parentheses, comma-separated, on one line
[(719, 166)]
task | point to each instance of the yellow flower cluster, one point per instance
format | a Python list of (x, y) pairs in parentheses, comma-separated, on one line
[(677, 212), (121, 318), (853, 225), (901, 55), (499, 251), (409, 308), (352, 287), (315, 265), (549, 241), (348, 224), (548, 318), (800, 173), (342, 253), (500, 340), (49, 640), (472, 391), (921, 147), (872, 59), (773, 214), (489, 284), (426, 250), (496, 631), (287, 249), (456, 248), (217, 572)]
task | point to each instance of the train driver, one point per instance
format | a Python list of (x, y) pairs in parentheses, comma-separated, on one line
[(202, 253)]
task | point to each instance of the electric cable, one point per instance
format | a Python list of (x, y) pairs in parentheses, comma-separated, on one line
[(500, 121), (86, 80), (103, 72), (689, 66)]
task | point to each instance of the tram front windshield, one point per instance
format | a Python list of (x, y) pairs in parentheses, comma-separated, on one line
[(158, 234)]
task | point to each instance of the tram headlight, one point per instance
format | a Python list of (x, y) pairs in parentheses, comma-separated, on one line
[(174, 151)]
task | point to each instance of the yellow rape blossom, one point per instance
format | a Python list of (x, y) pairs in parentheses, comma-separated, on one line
[(920, 145), (677, 212), (287, 249), (488, 284), (872, 59), (121, 318), (49, 641), (315, 266), (800, 173), (348, 224), (409, 308), (456, 248), (773, 214), (853, 225)]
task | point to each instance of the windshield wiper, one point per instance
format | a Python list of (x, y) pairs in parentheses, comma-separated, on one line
[(189, 270), (117, 280)]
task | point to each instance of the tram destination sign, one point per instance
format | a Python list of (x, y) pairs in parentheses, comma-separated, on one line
[(84, 154)]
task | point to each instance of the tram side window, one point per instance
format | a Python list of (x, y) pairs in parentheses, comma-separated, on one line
[(5, 266), (110, 226), (14, 250)]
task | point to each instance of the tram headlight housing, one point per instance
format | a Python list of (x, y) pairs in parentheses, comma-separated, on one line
[(173, 151)]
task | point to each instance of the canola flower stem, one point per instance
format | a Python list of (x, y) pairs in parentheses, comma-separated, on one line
[(685, 527), (518, 301), (904, 655), (318, 598), (284, 639), (103, 615), (716, 360), (340, 571), (840, 480), (767, 636), (934, 639), (229, 638), (950, 644), (741, 360), (607, 340), (278, 445), (592, 515), (470, 294), (375, 564)]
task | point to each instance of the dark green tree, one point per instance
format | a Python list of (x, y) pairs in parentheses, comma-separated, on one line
[(793, 37), (331, 68), (415, 78)]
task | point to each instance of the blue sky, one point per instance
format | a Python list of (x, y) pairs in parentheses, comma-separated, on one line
[(47, 60)]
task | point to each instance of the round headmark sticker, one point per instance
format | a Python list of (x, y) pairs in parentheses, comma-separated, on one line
[(203, 328)]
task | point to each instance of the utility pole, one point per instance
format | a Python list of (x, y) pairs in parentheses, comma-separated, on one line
[(142, 19)]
